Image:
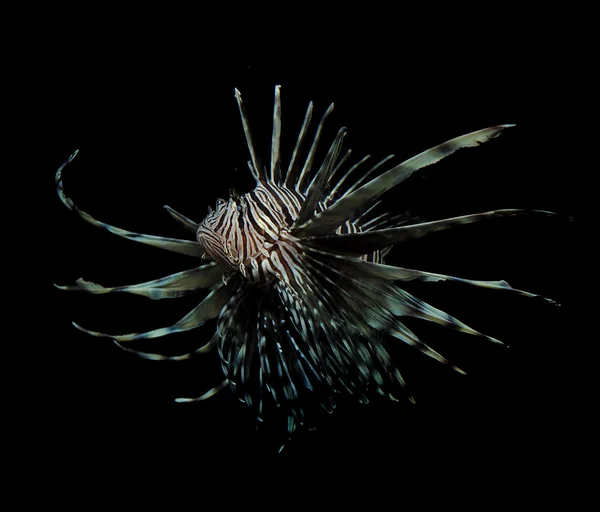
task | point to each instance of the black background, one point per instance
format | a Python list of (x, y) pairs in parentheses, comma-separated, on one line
[(156, 123)]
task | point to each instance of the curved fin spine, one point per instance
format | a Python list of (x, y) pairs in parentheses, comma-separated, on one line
[(208, 309), (169, 287), (169, 244), (352, 204)]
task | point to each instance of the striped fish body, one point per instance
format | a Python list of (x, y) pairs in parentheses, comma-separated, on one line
[(250, 234), (243, 232)]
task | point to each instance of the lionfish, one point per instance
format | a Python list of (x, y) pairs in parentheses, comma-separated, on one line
[(302, 297)]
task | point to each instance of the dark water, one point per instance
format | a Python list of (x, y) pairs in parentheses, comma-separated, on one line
[(155, 129)]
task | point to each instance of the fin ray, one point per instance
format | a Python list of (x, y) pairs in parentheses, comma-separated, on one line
[(350, 205), (169, 244), (208, 309), (175, 285)]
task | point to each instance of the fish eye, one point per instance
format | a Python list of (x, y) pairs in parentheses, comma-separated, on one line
[(239, 208)]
